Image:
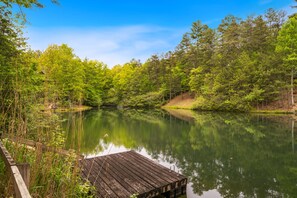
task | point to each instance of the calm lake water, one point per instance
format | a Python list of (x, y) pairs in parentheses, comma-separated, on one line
[(223, 154)]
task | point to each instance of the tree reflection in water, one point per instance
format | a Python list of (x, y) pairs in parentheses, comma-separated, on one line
[(237, 154)]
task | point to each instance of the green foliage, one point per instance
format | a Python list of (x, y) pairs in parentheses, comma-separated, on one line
[(97, 82), (52, 175), (24, 86), (25, 3), (239, 72), (240, 65), (287, 42), (233, 67), (150, 99), (134, 196), (64, 76)]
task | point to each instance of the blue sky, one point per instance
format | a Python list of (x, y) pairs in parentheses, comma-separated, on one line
[(116, 31)]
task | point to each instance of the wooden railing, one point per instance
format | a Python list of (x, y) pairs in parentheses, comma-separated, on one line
[(20, 186), (30, 144)]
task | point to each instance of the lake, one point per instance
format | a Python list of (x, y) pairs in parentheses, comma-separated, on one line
[(222, 154)]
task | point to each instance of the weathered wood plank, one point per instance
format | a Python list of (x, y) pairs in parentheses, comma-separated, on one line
[(127, 173), (105, 174), (102, 188), (19, 184), (133, 172), (146, 173), (174, 175), (32, 144), (130, 170), (149, 165), (24, 169), (123, 178), (175, 179), (6, 156), (153, 180), (20, 187)]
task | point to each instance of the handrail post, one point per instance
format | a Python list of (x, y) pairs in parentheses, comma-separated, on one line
[(20, 188), (24, 169)]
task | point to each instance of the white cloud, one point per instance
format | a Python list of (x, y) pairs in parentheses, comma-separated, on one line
[(112, 45)]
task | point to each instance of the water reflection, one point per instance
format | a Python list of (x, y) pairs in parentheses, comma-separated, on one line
[(223, 154)]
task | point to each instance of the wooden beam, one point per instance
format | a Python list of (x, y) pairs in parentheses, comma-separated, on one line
[(31, 143), (20, 187), (6, 156), (24, 169)]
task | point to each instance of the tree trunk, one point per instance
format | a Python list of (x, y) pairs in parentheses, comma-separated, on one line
[(292, 87), (293, 141)]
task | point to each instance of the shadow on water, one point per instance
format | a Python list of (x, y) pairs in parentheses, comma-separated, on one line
[(237, 155)]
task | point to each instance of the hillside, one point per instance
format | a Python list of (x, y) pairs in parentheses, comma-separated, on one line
[(183, 101)]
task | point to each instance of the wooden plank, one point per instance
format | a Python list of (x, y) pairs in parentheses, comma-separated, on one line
[(110, 173), (157, 166), (174, 175), (127, 173), (165, 172), (24, 169), (103, 190), (169, 185), (148, 173), (142, 174), (33, 144), (175, 179), (19, 184), (130, 170), (132, 186), (102, 176), (104, 172), (152, 190), (167, 175), (6, 156), (136, 176), (134, 173), (20, 187)]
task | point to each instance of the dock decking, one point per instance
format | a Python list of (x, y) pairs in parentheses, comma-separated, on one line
[(129, 173)]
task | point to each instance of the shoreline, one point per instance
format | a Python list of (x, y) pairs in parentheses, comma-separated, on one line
[(254, 111)]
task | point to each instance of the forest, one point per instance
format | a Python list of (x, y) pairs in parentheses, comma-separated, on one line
[(241, 65)]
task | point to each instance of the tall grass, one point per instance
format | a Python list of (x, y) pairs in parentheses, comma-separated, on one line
[(52, 174)]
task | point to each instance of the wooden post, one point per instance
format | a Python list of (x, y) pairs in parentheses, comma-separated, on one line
[(38, 152), (25, 172), (20, 188)]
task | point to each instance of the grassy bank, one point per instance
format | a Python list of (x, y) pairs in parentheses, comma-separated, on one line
[(183, 101), (188, 102), (276, 111), (73, 109)]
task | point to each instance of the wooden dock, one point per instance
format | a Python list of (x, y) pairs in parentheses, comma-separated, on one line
[(129, 173)]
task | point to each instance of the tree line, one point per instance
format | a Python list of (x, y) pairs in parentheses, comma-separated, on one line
[(237, 66), (241, 64)]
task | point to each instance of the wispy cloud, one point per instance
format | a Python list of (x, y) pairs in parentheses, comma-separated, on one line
[(112, 45), (289, 9), (264, 2)]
